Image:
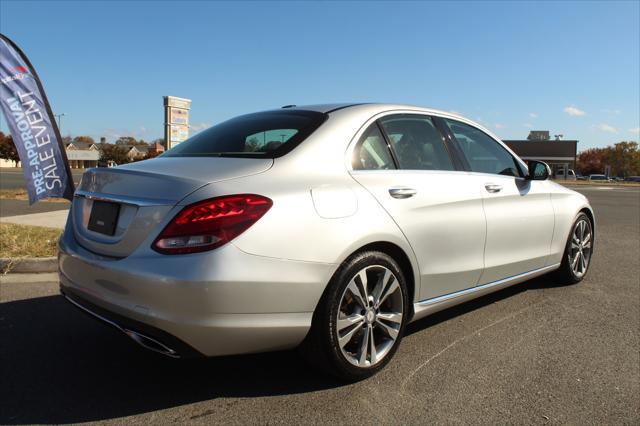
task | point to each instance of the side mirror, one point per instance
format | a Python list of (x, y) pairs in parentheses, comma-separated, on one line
[(538, 170)]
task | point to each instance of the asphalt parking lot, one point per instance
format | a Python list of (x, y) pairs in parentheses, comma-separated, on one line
[(539, 352)]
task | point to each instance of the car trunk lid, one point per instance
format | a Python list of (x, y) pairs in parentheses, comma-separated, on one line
[(139, 196)]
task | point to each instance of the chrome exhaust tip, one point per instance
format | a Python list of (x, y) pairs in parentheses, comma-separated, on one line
[(144, 341), (150, 343)]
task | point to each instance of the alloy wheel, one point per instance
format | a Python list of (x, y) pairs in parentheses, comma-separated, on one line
[(370, 316), (580, 252)]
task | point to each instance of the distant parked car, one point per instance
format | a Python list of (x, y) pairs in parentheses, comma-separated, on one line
[(599, 178), (580, 176), (632, 179), (571, 175)]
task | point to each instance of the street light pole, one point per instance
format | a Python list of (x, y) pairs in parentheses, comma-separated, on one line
[(59, 117)]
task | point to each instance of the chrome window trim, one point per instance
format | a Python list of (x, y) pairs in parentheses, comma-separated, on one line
[(356, 137)]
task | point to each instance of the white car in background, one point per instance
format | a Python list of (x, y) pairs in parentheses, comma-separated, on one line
[(571, 175)]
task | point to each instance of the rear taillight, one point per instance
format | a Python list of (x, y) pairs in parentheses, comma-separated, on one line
[(211, 223)]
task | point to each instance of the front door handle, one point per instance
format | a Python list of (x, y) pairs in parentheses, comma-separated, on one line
[(402, 192), (492, 187)]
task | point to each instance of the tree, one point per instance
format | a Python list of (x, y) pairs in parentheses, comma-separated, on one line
[(115, 153), (84, 139), (126, 140), (591, 161), (8, 149), (152, 154), (623, 157)]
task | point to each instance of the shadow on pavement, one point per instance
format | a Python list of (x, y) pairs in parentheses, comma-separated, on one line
[(59, 366), (545, 281)]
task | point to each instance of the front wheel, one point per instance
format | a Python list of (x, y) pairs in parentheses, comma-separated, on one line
[(578, 251), (360, 319)]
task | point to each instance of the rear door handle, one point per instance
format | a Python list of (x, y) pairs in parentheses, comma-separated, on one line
[(492, 187), (402, 192)]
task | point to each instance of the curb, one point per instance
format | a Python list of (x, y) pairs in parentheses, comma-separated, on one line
[(29, 265)]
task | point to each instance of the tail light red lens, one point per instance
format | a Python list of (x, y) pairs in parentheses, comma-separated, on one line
[(211, 223)]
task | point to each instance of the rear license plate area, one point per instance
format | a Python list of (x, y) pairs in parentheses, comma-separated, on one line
[(104, 217)]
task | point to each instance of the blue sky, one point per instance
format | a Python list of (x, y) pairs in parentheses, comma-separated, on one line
[(569, 67)]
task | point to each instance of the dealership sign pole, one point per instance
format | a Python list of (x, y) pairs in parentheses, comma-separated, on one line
[(32, 126), (176, 120)]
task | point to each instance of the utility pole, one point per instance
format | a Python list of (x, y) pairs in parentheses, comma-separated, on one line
[(59, 117)]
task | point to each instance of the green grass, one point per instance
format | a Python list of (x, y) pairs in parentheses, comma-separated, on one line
[(17, 241)]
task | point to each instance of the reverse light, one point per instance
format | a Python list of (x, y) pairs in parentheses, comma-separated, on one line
[(211, 223)]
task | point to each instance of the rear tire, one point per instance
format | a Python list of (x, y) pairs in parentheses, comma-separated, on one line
[(360, 319), (577, 253)]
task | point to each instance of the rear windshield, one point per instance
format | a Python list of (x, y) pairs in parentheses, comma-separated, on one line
[(261, 135)]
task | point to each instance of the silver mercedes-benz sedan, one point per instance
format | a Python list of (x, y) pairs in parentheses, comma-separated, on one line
[(328, 227)]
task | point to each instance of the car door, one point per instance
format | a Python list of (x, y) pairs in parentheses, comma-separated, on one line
[(404, 161), (519, 214)]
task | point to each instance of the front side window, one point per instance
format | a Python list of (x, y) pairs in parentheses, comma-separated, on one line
[(483, 153), (417, 142), (261, 135), (372, 152)]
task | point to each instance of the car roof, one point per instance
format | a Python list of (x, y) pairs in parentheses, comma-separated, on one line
[(332, 107), (323, 108)]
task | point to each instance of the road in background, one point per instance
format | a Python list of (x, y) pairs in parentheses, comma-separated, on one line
[(20, 207), (12, 178), (535, 353)]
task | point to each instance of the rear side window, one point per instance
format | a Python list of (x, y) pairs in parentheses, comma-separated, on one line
[(483, 153), (261, 135), (416, 142), (372, 152)]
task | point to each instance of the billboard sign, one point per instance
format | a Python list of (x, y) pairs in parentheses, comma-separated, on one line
[(179, 116), (176, 120), (179, 134)]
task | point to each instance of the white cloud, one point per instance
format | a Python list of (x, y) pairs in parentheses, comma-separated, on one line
[(635, 130), (112, 133), (528, 125), (533, 115), (196, 127), (604, 127), (611, 111), (500, 126), (573, 111)]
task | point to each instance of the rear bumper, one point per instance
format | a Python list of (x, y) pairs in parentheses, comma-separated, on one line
[(221, 302), (145, 335)]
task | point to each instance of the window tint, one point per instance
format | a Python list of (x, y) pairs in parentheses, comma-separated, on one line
[(484, 154), (417, 143), (264, 134), (372, 152)]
